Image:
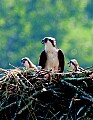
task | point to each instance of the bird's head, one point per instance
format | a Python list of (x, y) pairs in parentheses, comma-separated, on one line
[(49, 41), (26, 62), (73, 63)]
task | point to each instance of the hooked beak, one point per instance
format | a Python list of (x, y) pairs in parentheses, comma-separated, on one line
[(43, 41), (22, 61), (69, 64)]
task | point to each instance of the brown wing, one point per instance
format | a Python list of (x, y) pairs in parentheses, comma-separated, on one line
[(61, 60), (42, 59)]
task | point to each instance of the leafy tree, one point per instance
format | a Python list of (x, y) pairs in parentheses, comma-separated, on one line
[(23, 23)]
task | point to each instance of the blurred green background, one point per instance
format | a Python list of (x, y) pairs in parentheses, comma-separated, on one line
[(23, 23)]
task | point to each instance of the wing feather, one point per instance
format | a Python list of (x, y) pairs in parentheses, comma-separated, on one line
[(61, 60), (42, 59)]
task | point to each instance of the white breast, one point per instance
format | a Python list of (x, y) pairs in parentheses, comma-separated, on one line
[(26, 65), (52, 60)]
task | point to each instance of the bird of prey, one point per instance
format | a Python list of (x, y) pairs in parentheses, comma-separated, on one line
[(51, 57), (74, 64), (28, 64)]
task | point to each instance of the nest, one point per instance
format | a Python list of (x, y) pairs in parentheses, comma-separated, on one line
[(30, 95)]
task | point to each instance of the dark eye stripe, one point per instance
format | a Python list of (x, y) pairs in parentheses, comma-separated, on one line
[(52, 42), (23, 60), (46, 39), (72, 63)]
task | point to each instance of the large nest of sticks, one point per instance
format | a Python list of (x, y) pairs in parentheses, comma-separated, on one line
[(30, 95)]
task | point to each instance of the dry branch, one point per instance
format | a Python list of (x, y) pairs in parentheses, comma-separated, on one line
[(30, 95)]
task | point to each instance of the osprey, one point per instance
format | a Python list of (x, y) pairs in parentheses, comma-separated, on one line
[(74, 64), (51, 57), (28, 64)]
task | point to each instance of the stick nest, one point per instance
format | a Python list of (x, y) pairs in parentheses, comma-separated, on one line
[(30, 95)]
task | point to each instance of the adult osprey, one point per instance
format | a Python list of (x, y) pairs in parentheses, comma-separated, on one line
[(51, 57)]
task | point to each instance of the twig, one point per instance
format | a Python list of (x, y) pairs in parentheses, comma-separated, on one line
[(78, 79), (77, 89), (88, 67)]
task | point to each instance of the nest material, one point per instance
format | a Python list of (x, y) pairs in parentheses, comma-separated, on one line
[(29, 95)]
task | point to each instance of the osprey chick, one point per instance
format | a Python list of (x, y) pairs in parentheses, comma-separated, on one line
[(51, 57), (28, 64), (74, 64)]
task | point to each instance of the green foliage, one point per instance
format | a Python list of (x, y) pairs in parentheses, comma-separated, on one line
[(23, 23)]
